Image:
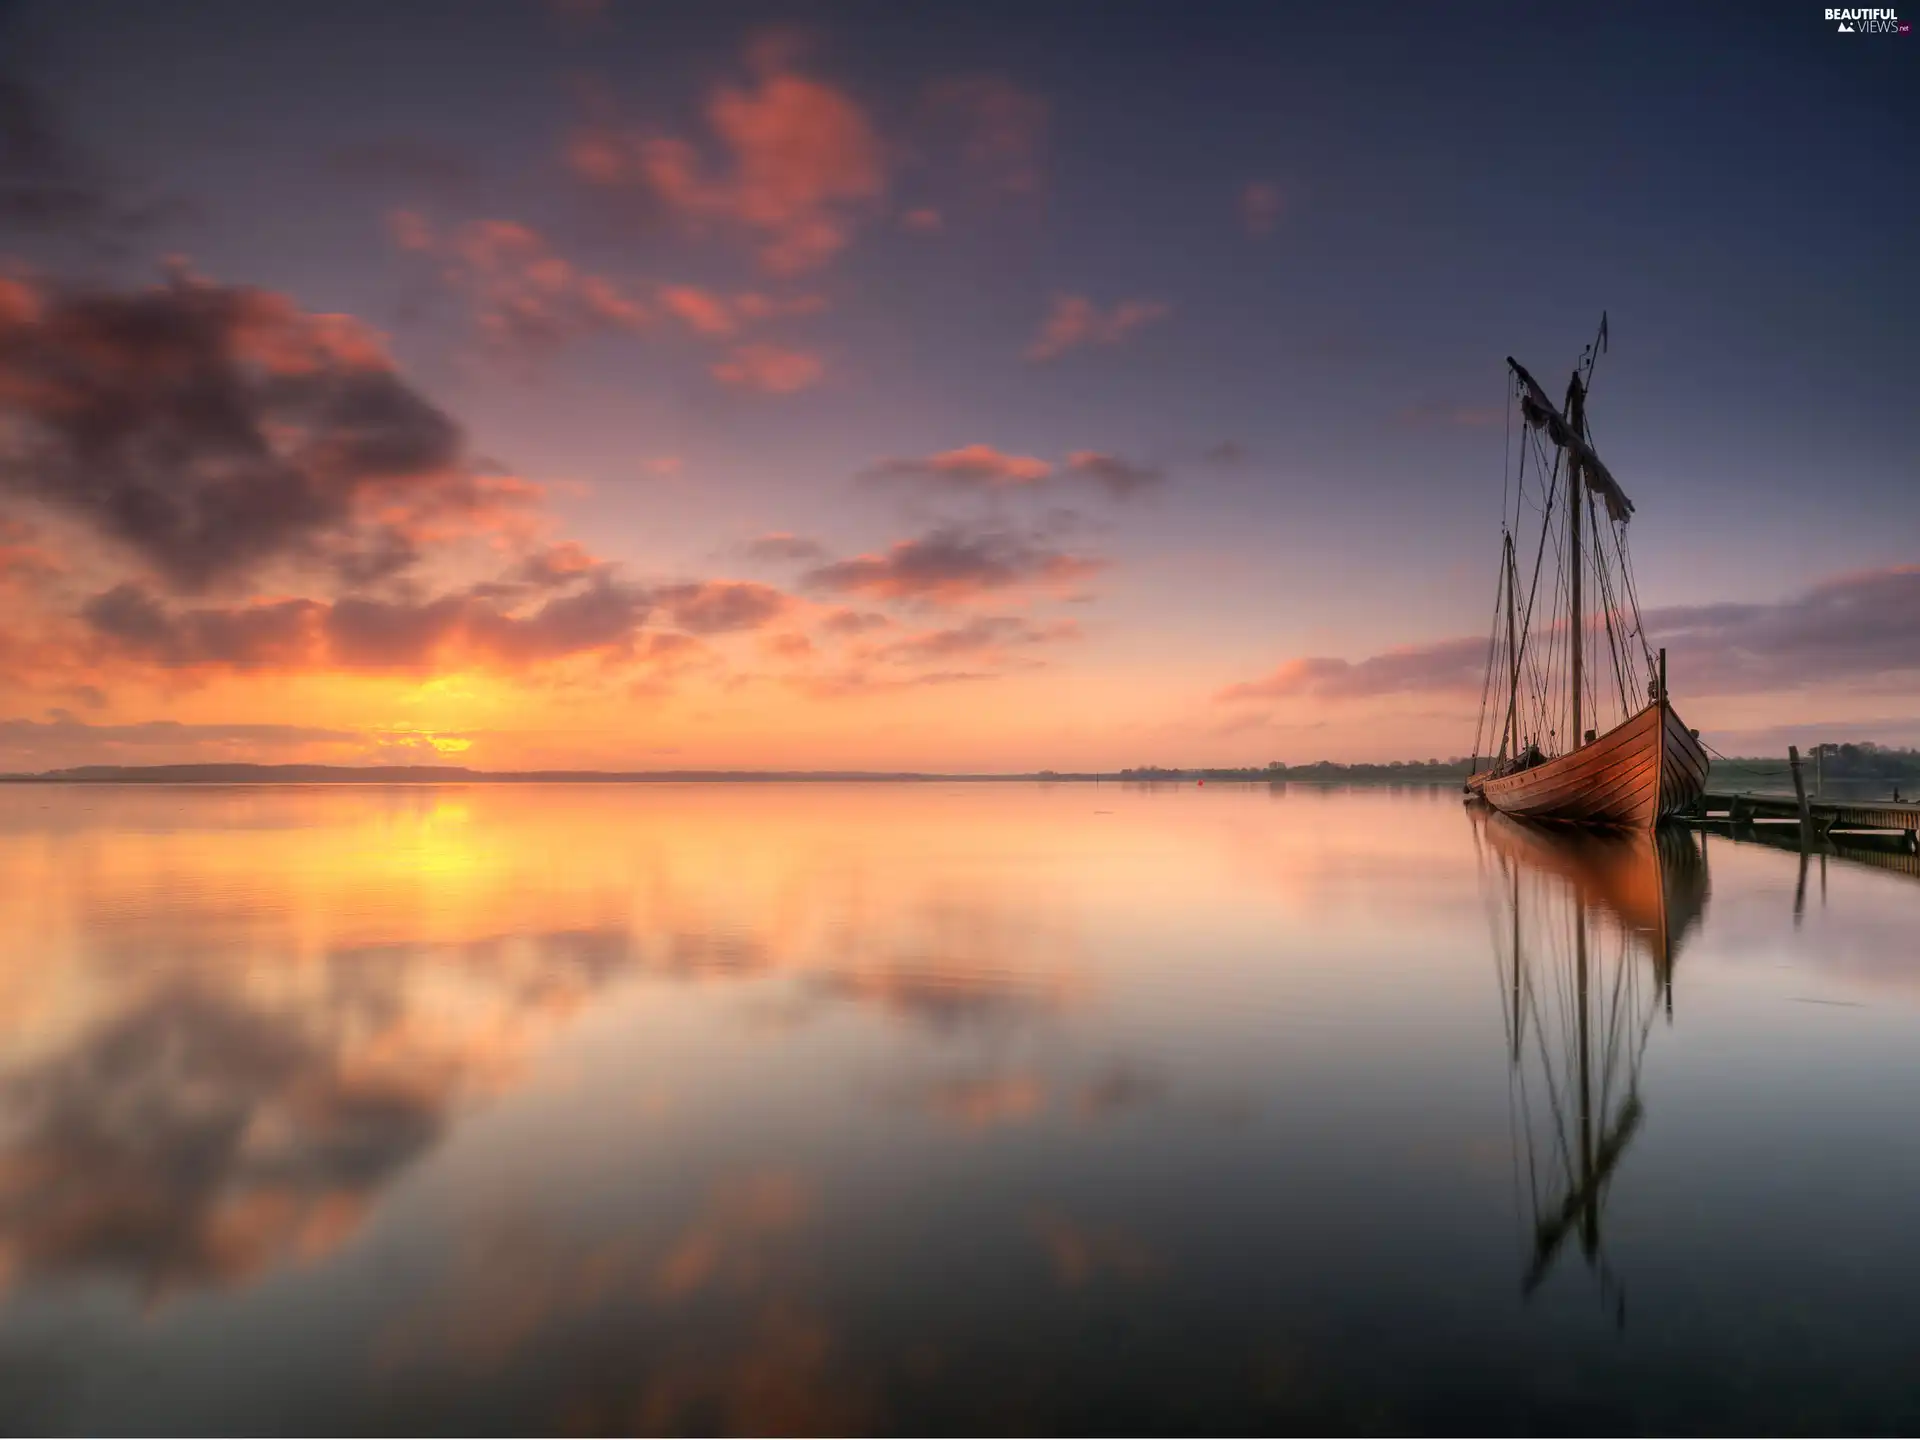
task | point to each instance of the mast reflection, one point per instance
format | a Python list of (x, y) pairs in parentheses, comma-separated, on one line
[(1586, 928)]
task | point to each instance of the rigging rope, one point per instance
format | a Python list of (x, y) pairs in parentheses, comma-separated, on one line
[(1540, 674), (1493, 633)]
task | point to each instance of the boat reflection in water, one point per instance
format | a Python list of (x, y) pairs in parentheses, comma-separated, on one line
[(1586, 927)]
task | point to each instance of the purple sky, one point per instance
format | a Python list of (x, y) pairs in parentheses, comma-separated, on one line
[(1118, 385)]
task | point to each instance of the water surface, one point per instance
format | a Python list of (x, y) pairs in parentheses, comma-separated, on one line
[(941, 1107)]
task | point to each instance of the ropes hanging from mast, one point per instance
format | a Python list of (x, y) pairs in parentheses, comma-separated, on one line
[(1537, 666)]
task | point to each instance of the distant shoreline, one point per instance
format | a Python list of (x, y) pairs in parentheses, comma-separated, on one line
[(1882, 767), (460, 775)]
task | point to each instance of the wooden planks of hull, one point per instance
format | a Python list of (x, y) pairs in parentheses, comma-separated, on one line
[(1644, 769)]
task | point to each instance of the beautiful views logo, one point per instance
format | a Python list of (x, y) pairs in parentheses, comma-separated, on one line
[(1869, 22)]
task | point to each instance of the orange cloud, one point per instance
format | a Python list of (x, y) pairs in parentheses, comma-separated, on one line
[(698, 310), (508, 626), (949, 565), (923, 221), (970, 465), (983, 637), (789, 645), (804, 162), (769, 368), (706, 313), (523, 294), (453, 631), (784, 545), (843, 621), (1074, 320), (982, 467), (24, 559), (755, 306), (715, 606), (1446, 665)]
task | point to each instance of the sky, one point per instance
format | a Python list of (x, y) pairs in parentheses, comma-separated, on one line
[(598, 384)]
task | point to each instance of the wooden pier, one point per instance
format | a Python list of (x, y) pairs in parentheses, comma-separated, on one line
[(1896, 820)]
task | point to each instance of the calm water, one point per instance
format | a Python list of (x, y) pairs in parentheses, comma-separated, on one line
[(942, 1107)]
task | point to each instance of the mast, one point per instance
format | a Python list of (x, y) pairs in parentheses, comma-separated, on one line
[(1577, 423), (1513, 655)]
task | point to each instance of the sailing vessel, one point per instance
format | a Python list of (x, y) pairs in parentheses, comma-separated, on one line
[(1575, 917), (1554, 761)]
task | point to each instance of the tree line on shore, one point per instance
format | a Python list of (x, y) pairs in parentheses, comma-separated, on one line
[(1850, 761)]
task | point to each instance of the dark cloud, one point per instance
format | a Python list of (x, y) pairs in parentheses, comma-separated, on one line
[(557, 566), (602, 617), (50, 187), (359, 633), (1448, 665), (1227, 452), (1850, 628), (381, 553), (982, 468), (276, 636), (853, 622), (953, 564), (212, 430), (981, 635), (527, 299), (780, 545), (971, 467), (1120, 478), (713, 607), (365, 633)]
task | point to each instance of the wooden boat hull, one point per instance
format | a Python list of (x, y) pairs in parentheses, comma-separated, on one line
[(1644, 769)]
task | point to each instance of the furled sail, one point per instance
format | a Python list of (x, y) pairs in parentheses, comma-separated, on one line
[(1539, 412)]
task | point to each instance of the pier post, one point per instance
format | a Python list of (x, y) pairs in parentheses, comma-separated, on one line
[(1800, 791)]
